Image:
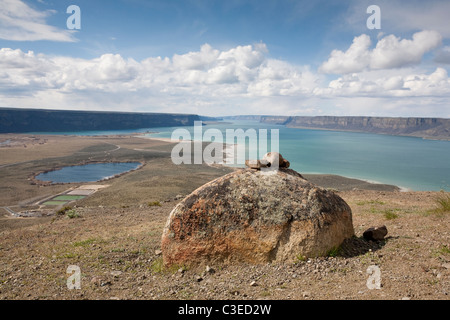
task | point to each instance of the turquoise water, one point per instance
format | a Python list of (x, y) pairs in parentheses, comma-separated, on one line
[(88, 172), (408, 162)]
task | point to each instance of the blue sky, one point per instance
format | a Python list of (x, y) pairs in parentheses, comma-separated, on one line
[(294, 30), (227, 57)]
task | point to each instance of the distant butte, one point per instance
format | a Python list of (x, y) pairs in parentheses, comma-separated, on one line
[(14, 120), (428, 128)]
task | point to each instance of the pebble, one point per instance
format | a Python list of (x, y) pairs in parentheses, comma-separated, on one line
[(116, 274), (253, 284), (106, 283)]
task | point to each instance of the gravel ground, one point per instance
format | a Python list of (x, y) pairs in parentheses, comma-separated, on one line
[(117, 251)]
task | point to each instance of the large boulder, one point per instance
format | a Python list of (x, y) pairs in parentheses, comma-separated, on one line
[(257, 217)]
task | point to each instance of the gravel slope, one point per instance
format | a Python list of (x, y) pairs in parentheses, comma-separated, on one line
[(117, 250)]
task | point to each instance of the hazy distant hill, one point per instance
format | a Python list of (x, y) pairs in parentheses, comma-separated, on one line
[(246, 117), (432, 128), (35, 120)]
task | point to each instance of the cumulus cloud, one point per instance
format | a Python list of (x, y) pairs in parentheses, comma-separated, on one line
[(390, 52), (196, 60), (393, 52), (436, 83), (355, 59), (243, 79), (20, 22), (202, 77)]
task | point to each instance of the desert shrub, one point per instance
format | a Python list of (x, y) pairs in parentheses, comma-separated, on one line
[(300, 258), (63, 210), (390, 214), (442, 202), (154, 204), (84, 243), (72, 214), (334, 252), (157, 266)]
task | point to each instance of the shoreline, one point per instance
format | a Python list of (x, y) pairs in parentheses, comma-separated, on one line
[(342, 183), (35, 181), (326, 180)]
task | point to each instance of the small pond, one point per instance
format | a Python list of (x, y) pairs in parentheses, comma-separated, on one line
[(88, 172)]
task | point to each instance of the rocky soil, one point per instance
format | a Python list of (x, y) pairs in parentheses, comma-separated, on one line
[(118, 252)]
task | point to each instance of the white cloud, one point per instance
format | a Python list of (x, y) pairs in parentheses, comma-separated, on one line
[(390, 52), (20, 22), (436, 83), (194, 79), (408, 84), (196, 60), (279, 78), (355, 59), (240, 80)]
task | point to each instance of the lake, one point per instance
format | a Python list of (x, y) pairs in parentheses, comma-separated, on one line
[(407, 162), (88, 172)]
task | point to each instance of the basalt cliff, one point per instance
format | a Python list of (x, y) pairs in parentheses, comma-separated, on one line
[(35, 120), (436, 128), (429, 128)]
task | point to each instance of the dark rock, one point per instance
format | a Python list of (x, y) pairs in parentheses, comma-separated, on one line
[(375, 233)]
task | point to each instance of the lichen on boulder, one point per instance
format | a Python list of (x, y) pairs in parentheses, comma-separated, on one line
[(256, 217)]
